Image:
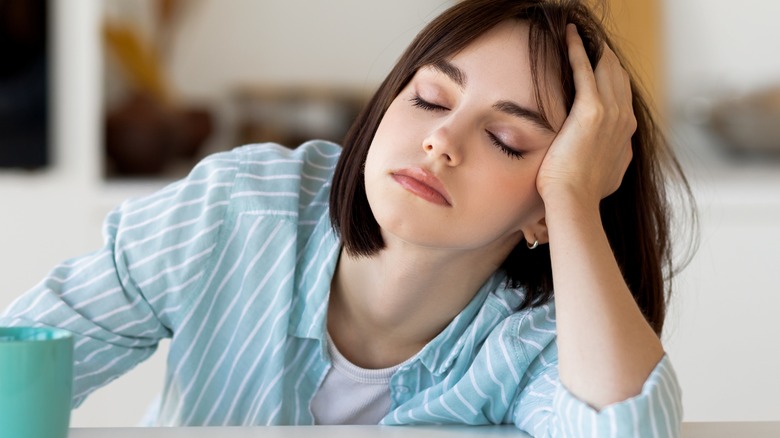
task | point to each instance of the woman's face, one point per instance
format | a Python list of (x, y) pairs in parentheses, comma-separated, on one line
[(453, 163)]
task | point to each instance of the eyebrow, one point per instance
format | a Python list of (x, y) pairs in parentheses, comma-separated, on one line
[(451, 71), (507, 107), (516, 110)]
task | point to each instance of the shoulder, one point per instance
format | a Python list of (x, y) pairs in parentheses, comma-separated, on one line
[(278, 180), (527, 333), (316, 156)]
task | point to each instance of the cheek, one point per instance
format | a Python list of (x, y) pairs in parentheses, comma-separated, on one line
[(513, 197)]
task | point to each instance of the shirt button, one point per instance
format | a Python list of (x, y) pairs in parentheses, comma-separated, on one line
[(401, 389)]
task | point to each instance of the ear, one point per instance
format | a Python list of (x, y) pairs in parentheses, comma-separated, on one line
[(536, 232)]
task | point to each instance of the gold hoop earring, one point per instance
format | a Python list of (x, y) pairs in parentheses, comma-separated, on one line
[(532, 246)]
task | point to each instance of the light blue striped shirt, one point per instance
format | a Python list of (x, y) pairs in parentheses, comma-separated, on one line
[(234, 264)]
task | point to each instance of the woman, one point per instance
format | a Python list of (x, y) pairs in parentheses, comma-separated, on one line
[(408, 278)]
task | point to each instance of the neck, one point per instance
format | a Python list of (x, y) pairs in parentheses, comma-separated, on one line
[(385, 308)]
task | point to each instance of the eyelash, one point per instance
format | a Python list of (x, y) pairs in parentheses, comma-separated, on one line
[(503, 147), (424, 104)]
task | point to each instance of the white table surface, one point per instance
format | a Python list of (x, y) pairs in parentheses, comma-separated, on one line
[(690, 430), (302, 431)]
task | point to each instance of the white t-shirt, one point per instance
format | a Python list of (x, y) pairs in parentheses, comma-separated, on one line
[(350, 394)]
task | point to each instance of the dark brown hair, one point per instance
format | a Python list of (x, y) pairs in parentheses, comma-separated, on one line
[(636, 217)]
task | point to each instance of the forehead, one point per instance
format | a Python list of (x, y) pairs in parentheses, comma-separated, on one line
[(499, 62)]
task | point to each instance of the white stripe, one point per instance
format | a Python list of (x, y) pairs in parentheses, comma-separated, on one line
[(666, 402), (612, 423), (92, 259), (215, 330), (134, 323), (251, 193), (653, 423), (509, 363), (69, 321), (474, 384), (303, 202), (162, 215), (167, 230), (279, 161), (217, 367), (269, 177), (530, 342), (634, 416), (118, 310), (104, 368), (168, 310), (267, 391), (99, 297), (250, 338), (170, 269), (176, 288), (318, 179), (530, 416), (43, 293), (536, 329), (547, 316), (316, 148), (251, 371), (667, 379), (427, 409), (93, 279), (171, 248), (274, 413), (176, 189), (297, 383), (493, 376), (464, 401), (328, 168), (320, 276), (94, 353), (443, 401), (194, 307)]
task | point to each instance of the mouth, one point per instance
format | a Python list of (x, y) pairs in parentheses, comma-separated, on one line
[(423, 184)]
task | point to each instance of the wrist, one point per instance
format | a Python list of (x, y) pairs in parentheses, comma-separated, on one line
[(571, 200)]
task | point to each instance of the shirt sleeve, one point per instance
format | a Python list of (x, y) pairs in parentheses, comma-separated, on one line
[(545, 408), (122, 299)]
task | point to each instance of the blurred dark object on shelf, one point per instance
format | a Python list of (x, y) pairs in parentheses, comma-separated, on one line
[(150, 129), (291, 115), (143, 136), (24, 91), (749, 124)]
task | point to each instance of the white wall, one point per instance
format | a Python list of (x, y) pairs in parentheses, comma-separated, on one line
[(722, 333), (723, 328), (718, 46)]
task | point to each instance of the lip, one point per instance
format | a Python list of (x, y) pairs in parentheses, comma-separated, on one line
[(424, 184)]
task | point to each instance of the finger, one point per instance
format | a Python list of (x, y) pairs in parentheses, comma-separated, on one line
[(584, 79), (622, 80), (614, 86), (609, 79)]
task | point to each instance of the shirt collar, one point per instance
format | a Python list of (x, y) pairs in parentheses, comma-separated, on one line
[(439, 354)]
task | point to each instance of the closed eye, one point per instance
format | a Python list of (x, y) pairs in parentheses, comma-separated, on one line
[(424, 104), (512, 153)]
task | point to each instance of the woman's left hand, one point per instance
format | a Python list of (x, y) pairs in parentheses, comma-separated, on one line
[(592, 150)]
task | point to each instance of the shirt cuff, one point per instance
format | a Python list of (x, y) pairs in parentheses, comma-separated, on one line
[(655, 412)]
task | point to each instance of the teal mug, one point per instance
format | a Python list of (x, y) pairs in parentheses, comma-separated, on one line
[(36, 380)]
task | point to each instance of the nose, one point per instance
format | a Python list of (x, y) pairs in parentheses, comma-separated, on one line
[(442, 144)]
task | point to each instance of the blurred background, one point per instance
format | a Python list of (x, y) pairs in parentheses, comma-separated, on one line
[(105, 100)]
